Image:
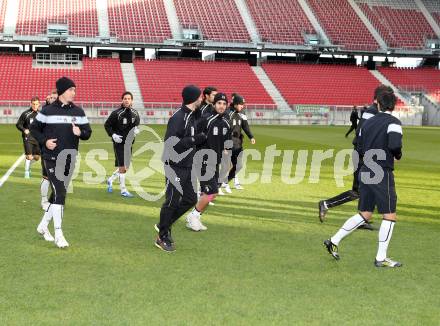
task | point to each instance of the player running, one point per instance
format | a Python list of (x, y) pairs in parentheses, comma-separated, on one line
[(58, 129), (181, 139), (239, 122), (30, 144), (380, 143), (353, 194), (118, 126), (217, 129)]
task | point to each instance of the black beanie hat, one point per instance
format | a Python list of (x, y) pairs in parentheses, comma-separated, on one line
[(190, 94), (238, 100), (63, 84), (220, 97)]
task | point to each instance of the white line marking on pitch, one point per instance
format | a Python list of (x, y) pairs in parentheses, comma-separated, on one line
[(13, 167)]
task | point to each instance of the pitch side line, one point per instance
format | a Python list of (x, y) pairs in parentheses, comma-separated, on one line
[(9, 172)]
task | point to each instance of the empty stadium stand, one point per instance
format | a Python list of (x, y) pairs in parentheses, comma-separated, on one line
[(342, 25), (100, 80), (322, 84), (138, 20), (280, 21), (399, 22), (163, 80), (425, 79), (218, 21), (80, 15)]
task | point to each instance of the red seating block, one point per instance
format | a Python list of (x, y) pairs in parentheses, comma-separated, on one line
[(323, 84), (280, 21), (138, 20), (163, 80), (100, 80), (218, 21)]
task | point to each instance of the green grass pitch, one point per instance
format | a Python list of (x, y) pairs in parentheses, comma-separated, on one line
[(260, 263)]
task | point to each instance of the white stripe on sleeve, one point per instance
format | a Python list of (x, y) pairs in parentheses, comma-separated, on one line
[(395, 128)]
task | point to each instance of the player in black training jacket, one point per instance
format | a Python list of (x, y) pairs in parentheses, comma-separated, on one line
[(353, 194), (181, 140), (207, 106), (122, 123), (380, 144), (354, 117), (58, 129), (239, 122), (31, 147), (217, 129)]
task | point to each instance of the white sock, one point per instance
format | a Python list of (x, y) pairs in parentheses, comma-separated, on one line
[(44, 189), (385, 233), (114, 176), (57, 211), (122, 182), (27, 165), (236, 181), (349, 226), (196, 213), (47, 217)]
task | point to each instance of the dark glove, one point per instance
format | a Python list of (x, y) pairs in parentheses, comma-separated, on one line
[(200, 138)]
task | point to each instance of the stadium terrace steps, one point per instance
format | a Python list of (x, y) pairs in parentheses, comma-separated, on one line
[(248, 20), (271, 89), (314, 21), (102, 11), (430, 19), (342, 25), (132, 85), (383, 80), (417, 79), (434, 9), (173, 20), (8, 16), (280, 21), (399, 22), (368, 24)]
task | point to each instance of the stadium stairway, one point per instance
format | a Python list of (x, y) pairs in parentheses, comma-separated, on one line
[(368, 24), (383, 80), (428, 17), (315, 23), (102, 11), (11, 17), (248, 21), (271, 89), (173, 20), (131, 84)]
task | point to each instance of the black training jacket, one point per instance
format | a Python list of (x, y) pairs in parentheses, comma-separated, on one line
[(55, 122)]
